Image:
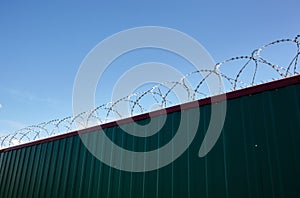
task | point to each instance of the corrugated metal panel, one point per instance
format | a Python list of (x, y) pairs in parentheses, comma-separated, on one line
[(257, 155)]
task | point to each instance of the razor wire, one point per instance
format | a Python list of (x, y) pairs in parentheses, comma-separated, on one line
[(161, 94)]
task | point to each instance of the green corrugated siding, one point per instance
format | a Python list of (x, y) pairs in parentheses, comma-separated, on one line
[(235, 167)]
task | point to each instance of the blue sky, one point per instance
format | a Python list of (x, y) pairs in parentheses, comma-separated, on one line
[(43, 44)]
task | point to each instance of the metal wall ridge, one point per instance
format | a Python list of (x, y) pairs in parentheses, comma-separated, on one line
[(268, 86)]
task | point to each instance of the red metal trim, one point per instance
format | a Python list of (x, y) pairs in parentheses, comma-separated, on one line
[(215, 99)]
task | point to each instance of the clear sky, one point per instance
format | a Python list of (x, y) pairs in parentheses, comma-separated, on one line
[(43, 44)]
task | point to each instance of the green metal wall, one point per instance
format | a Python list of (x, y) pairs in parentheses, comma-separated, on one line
[(257, 155)]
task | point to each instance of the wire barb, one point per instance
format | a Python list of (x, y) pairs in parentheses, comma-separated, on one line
[(161, 94)]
